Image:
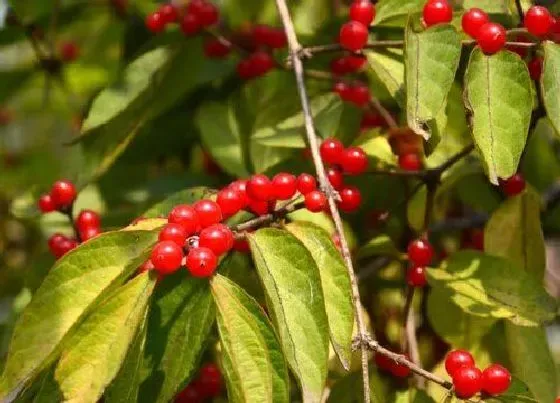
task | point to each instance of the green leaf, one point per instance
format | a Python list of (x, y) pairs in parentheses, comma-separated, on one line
[(518, 392), (97, 350), (490, 6), (550, 83), (539, 165), (387, 10), (293, 287), (413, 396), (489, 286), (181, 316), (259, 371), (125, 386), (336, 286), (187, 196), (381, 245), (431, 60), (387, 66), (76, 283), (514, 232), (49, 390), (498, 93), (377, 148)]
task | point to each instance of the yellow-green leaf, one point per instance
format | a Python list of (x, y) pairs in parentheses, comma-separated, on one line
[(550, 83)]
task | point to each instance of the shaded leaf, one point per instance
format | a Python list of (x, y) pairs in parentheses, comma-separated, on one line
[(431, 60), (485, 285), (498, 93), (381, 245), (187, 196), (293, 288), (97, 350), (550, 83), (258, 369), (387, 10)]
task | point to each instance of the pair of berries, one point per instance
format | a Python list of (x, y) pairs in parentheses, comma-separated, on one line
[(468, 380), (420, 255), (353, 35), (385, 363), (207, 385), (88, 224), (197, 15), (490, 36), (60, 198), (355, 93)]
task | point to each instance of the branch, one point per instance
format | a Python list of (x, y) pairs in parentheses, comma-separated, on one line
[(519, 11), (295, 48), (385, 114), (267, 218)]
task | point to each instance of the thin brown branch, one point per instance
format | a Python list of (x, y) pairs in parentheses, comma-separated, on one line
[(456, 158), (519, 11), (295, 48), (413, 350), (267, 218), (385, 114)]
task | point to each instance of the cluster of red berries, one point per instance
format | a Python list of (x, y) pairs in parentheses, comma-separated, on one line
[(61, 198), (207, 385), (353, 35), (197, 15), (468, 380), (420, 255), (356, 93), (389, 365), (513, 185)]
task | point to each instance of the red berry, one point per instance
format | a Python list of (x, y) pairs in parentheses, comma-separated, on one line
[(210, 380), (371, 120), (335, 177), (513, 185), (216, 48), (56, 242), (472, 20), (65, 245), (437, 12), (457, 359), (186, 216), (355, 63), (354, 161), (146, 266), (491, 37), (399, 370), (46, 203), (241, 245), (339, 66), (467, 382), (362, 11), (306, 183), (230, 201), (166, 257), (359, 95), (175, 233), (155, 22), (284, 186), (410, 162), (168, 13), (353, 36), (261, 62), (88, 219), (195, 6), (383, 362), (331, 151), (208, 212), (535, 68), (315, 201), (538, 21), (420, 252), (350, 199), (260, 188), (63, 194), (218, 238), (343, 90), (69, 51), (276, 39), (208, 14), (190, 394), (416, 276), (88, 233), (240, 186), (201, 262), (190, 24), (495, 379), (259, 207), (245, 69)]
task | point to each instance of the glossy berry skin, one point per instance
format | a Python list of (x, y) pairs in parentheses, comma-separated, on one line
[(495, 380), (201, 262), (230, 201), (155, 22), (63, 194), (410, 162), (186, 216), (245, 69), (457, 359), (306, 183), (65, 246), (362, 11), (420, 252), (208, 14), (491, 38), (166, 257), (513, 185), (359, 95), (216, 49), (535, 68), (240, 186), (472, 20), (173, 232), (284, 186), (88, 219), (46, 203), (538, 21), (354, 161), (69, 51), (416, 276), (55, 244), (335, 177), (331, 151), (218, 238), (210, 381), (261, 63), (260, 188), (343, 90), (353, 36), (168, 13), (437, 12), (190, 24), (208, 212), (315, 201), (350, 199), (195, 6), (467, 382), (88, 233)]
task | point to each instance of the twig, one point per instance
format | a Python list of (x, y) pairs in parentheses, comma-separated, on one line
[(295, 47), (519, 11), (385, 114), (266, 218), (410, 330)]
